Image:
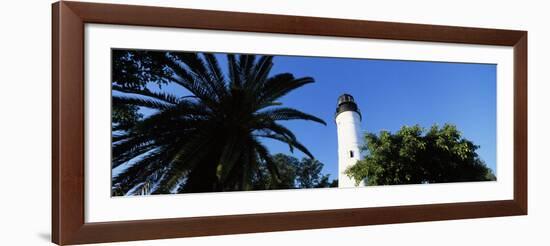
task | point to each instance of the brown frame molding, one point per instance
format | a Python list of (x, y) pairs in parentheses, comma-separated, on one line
[(68, 19)]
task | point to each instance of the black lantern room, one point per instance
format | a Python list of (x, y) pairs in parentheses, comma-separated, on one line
[(346, 103)]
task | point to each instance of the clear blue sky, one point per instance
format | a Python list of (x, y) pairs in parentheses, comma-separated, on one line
[(390, 94)]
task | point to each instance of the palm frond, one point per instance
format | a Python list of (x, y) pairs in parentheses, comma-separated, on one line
[(215, 69), (142, 102), (289, 114), (268, 127), (165, 97), (292, 143), (246, 63), (139, 171), (280, 85), (262, 69), (264, 155), (202, 71), (189, 80), (127, 150), (234, 72), (190, 154)]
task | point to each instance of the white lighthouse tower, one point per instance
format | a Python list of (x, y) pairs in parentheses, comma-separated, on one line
[(348, 119)]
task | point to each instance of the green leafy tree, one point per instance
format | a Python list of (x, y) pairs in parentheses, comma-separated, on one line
[(208, 141), (286, 165), (295, 174), (413, 155), (125, 116), (137, 68), (308, 174)]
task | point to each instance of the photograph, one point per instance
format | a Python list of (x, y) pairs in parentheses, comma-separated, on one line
[(198, 121)]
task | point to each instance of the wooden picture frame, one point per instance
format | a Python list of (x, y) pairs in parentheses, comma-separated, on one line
[(68, 223)]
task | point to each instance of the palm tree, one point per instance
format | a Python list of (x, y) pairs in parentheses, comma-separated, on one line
[(210, 140)]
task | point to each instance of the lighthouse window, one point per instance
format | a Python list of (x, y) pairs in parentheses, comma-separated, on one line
[(351, 154)]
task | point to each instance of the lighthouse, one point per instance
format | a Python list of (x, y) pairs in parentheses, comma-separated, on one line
[(348, 119)]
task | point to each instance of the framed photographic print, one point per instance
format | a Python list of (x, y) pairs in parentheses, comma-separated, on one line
[(175, 122)]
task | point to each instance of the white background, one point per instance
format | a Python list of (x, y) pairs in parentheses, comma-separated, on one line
[(26, 142)]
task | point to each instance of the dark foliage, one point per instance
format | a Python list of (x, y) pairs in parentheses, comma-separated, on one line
[(294, 174), (414, 156), (125, 116), (308, 174), (135, 68), (205, 142)]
